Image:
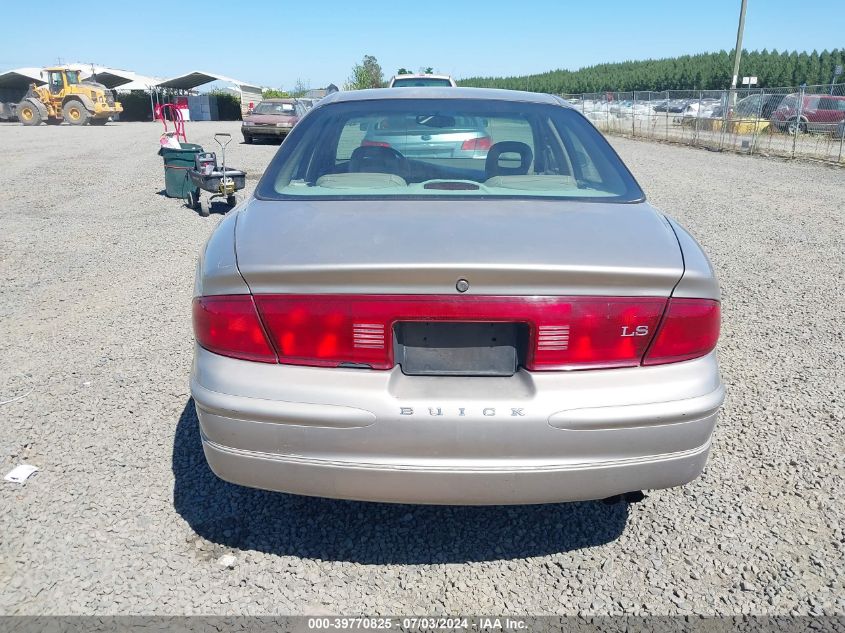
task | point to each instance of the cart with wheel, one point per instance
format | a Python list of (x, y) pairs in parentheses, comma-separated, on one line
[(220, 181)]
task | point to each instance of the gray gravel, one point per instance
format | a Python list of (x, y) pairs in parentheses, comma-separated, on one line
[(125, 517)]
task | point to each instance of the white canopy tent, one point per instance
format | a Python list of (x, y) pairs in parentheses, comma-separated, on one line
[(116, 78), (13, 86), (21, 78), (189, 81)]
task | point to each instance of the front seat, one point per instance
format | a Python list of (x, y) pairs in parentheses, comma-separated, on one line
[(492, 166), (379, 160)]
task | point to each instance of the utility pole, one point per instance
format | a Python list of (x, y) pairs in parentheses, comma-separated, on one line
[(738, 51)]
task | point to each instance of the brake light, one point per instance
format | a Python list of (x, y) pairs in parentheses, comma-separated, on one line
[(229, 325), (595, 333), (565, 332), (689, 330), (483, 143), (374, 144)]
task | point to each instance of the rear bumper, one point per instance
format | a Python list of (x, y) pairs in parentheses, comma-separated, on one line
[(384, 436), (260, 130), (451, 485)]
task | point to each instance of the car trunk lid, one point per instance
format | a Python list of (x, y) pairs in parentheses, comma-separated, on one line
[(512, 247)]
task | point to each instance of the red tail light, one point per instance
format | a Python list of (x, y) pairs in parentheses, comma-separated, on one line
[(564, 332), (689, 330), (483, 143), (229, 325), (374, 144)]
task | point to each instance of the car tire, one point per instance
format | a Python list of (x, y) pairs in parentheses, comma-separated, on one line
[(204, 209), (232, 200), (28, 114), (75, 113), (794, 126)]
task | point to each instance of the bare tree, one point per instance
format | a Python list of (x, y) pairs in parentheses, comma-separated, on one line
[(300, 87)]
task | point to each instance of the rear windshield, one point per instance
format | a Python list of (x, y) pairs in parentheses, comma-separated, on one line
[(422, 148), (420, 81), (275, 108)]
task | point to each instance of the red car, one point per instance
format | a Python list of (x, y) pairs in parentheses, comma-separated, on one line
[(819, 113), (272, 118)]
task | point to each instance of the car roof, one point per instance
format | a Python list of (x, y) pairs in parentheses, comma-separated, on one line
[(436, 92), (421, 76)]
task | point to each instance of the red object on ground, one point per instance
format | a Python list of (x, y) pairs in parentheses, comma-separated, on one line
[(175, 113)]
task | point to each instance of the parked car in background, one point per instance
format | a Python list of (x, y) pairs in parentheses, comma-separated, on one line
[(672, 105), (697, 109), (751, 107), (762, 105), (306, 102), (431, 136), (405, 81), (428, 329), (272, 118), (817, 113)]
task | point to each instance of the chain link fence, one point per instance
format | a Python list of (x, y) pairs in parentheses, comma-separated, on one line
[(803, 122)]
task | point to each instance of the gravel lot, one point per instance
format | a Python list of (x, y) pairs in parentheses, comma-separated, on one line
[(125, 517)]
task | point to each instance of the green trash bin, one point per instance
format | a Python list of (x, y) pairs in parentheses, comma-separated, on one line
[(177, 162)]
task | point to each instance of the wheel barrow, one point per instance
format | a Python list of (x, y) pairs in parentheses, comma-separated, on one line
[(220, 182)]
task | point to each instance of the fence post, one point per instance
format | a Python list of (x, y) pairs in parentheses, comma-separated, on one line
[(667, 115), (697, 118), (757, 123), (633, 113), (841, 140), (797, 119)]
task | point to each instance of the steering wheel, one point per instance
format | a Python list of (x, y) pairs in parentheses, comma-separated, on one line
[(379, 159)]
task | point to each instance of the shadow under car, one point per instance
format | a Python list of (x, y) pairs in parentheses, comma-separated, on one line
[(374, 533)]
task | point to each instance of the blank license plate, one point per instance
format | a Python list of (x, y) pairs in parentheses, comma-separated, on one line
[(457, 349)]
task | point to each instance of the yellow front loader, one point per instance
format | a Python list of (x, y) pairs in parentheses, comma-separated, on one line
[(66, 98)]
